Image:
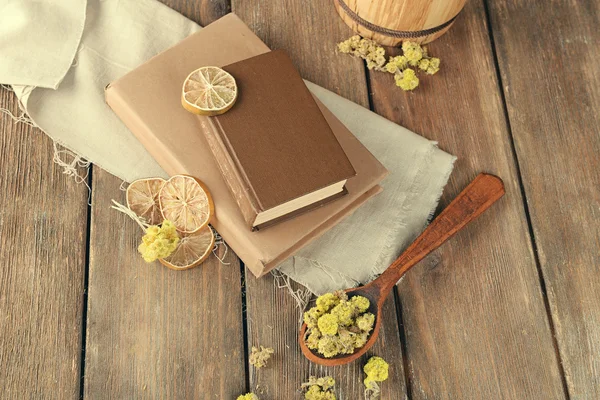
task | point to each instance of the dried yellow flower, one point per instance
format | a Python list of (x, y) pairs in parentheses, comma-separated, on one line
[(329, 346), (344, 313), (366, 49), (312, 340), (361, 339), (249, 396), (338, 324), (346, 342), (259, 358), (360, 303), (414, 55), (377, 371), (319, 388), (328, 324), (407, 80), (365, 322), (434, 65), (413, 52), (312, 316), (159, 242), (327, 301)]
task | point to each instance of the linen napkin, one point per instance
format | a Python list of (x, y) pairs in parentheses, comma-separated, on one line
[(68, 104)]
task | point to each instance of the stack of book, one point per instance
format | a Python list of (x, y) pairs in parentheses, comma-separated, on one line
[(282, 169)]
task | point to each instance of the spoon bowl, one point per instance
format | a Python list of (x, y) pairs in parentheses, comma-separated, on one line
[(477, 197)]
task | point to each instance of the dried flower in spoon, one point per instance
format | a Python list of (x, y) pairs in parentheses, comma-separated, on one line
[(338, 324)]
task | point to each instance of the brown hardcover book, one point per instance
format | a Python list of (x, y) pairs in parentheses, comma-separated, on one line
[(275, 149), (148, 101)]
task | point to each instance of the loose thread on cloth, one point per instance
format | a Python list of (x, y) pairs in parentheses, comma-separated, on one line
[(219, 242), (70, 168), (300, 296), (18, 119)]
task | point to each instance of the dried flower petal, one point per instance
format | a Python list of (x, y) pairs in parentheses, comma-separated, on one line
[(159, 242), (249, 396), (259, 358)]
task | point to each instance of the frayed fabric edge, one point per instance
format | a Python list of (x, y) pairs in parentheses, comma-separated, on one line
[(441, 182), (65, 158), (301, 296)]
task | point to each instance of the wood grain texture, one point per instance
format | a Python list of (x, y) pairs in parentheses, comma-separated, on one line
[(476, 323), (202, 11), (308, 31), (42, 248), (152, 332), (553, 112)]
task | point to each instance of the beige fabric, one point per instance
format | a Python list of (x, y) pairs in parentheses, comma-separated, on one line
[(40, 53), (118, 36)]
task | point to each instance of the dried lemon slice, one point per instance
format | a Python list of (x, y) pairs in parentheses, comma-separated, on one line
[(192, 250), (142, 199), (186, 202), (209, 91)]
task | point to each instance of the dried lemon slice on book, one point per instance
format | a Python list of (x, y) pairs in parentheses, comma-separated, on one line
[(142, 199), (209, 91), (186, 202), (192, 250)]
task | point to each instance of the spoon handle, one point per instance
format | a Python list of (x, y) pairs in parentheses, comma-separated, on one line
[(481, 193)]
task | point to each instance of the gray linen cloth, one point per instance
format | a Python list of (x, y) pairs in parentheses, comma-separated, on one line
[(58, 55)]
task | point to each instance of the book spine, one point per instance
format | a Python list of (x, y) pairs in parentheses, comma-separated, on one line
[(230, 170)]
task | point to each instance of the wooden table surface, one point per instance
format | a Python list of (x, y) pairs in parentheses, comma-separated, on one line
[(509, 309)]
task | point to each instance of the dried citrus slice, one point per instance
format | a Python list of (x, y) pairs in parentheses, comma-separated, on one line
[(192, 250), (186, 202), (142, 199), (209, 91)]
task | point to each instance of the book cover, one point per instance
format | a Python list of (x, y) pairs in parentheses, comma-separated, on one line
[(148, 101), (275, 147)]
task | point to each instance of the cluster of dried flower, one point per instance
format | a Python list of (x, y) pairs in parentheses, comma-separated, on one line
[(159, 241), (338, 324), (414, 55), (377, 371), (249, 396), (319, 388), (258, 358)]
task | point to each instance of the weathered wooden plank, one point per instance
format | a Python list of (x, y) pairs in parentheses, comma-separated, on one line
[(42, 247), (551, 82), (308, 31), (474, 313), (152, 332)]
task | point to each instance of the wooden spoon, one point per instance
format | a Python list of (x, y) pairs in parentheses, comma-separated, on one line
[(470, 203)]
